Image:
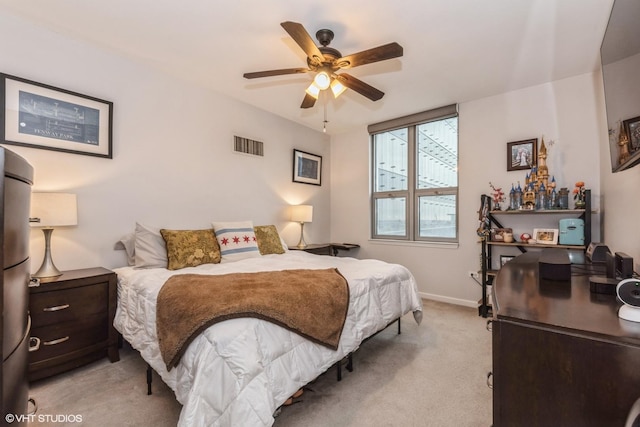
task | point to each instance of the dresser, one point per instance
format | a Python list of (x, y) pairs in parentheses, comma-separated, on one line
[(72, 321), (561, 355), (15, 196)]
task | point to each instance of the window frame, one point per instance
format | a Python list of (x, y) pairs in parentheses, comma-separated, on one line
[(412, 194)]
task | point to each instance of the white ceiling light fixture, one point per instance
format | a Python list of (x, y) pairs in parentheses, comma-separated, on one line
[(322, 80), (313, 90), (337, 88)]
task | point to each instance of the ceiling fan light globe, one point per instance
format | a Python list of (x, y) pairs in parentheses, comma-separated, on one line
[(337, 88), (322, 80), (313, 90)]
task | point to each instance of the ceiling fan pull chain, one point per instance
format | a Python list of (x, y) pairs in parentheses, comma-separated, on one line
[(324, 123)]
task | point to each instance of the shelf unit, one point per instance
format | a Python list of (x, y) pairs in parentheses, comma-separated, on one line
[(488, 274)]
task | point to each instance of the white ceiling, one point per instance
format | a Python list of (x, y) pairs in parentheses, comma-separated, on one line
[(454, 50)]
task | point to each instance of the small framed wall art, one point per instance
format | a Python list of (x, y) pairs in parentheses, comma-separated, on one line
[(522, 155), (307, 167), (546, 236), (41, 116), (632, 127)]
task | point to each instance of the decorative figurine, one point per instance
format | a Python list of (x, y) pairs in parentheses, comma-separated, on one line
[(498, 196)]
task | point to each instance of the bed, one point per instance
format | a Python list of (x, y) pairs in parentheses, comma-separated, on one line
[(240, 371)]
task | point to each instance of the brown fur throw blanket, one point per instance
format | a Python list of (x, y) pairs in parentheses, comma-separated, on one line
[(312, 303)]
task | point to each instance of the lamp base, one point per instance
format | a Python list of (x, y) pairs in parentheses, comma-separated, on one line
[(301, 244), (48, 268)]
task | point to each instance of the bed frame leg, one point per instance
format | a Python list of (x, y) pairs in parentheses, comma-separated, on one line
[(149, 378), (349, 366), (399, 331)]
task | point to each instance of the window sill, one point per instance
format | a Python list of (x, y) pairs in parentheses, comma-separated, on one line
[(414, 243)]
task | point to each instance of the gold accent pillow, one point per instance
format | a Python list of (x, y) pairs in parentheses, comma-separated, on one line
[(190, 248), (268, 239)]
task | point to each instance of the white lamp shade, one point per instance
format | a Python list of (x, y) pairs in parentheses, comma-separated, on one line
[(313, 90), (302, 213), (337, 88), (54, 209), (322, 80)]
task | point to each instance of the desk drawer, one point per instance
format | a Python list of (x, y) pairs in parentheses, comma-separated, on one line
[(74, 304), (63, 338)]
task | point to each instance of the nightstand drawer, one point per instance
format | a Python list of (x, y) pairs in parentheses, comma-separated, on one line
[(48, 308), (63, 338)]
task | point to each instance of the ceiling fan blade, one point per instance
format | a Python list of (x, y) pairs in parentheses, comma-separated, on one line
[(359, 86), (380, 53), (304, 40), (271, 73), (308, 101)]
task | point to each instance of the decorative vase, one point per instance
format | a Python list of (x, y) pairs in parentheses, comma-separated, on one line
[(580, 204)]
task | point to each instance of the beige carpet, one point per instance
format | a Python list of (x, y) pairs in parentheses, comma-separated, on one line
[(430, 375)]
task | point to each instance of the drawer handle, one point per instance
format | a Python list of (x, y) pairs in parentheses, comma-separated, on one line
[(490, 380), (34, 344), (489, 325), (56, 308), (58, 341), (34, 282)]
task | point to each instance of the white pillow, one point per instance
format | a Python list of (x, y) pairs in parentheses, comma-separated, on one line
[(237, 240), (151, 249)]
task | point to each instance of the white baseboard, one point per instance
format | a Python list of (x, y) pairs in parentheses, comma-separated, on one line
[(449, 300)]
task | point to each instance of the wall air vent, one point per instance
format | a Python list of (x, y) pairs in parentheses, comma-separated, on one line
[(248, 146)]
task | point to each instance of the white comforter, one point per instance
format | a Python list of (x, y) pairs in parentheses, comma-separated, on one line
[(238, 372)]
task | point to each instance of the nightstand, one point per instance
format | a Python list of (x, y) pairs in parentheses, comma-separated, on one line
[(326, 248), (72, 321)]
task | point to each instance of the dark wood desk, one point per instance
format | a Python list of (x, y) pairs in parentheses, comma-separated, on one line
[(561, 355), (326, 248)]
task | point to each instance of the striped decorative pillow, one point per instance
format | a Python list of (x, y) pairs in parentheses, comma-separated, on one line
[(237, 240)]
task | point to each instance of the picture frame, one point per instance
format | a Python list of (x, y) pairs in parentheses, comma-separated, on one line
[(546, 236), (522, 155), (41, 116), (505, 258), (632, 128), (307, 168)]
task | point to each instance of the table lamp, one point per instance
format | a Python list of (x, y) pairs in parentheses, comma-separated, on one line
[(50, 210), (302, 214)]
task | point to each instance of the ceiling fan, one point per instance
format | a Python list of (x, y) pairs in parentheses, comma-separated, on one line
[(325, 61)]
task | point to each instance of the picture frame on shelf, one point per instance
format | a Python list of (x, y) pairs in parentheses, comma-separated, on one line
[(522, 155), (505, 259), (632, 128), (546, 236), (307, 168), (37, 115)]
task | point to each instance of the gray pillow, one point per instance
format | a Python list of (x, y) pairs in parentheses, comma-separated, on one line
[(150, 247)]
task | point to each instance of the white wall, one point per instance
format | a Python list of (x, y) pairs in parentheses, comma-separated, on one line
[(173, 163), (568, 112)]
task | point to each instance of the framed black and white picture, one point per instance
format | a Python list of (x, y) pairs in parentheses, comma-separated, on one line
[(307, 167), (41, 116), (522, 155)]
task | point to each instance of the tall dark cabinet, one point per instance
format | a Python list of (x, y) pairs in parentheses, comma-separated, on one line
[(15, 197)]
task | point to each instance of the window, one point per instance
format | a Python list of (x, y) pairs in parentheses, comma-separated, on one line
[(415, 177)]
